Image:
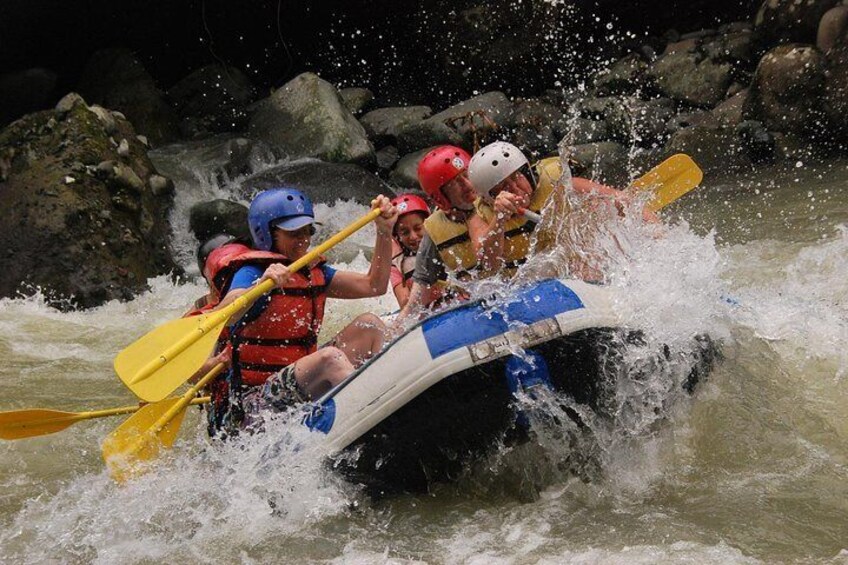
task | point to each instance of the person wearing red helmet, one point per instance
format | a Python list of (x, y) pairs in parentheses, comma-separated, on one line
[(408, 233)]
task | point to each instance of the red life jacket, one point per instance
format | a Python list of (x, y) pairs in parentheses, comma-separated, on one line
[(282, 326)]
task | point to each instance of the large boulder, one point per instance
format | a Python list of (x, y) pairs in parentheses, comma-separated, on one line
[(405, 174), (116, 79), (690, 76), (25, 91), (786, 93), (382, 125), (625, 76), (578, 131), (605, 162), (717, 150), (789, 21), (356, 99), (476, 119), (535, 124), (307, 118), (639, 122), (212, 99), (219, 216), (835, 95), (85, 212), (833, 29), (729, 112), (323, 182)]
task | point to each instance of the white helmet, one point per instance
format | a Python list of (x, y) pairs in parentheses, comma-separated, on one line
[(492, 164)]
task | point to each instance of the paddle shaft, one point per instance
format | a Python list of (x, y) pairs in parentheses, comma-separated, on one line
[(216, 320), (185, 399)]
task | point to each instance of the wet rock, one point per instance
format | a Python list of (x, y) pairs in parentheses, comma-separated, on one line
[(115, 79), (95, 239), (729, 112), (592, 108), (405, 174), (387, 157), (691, 77), (605, 162), (579, 131), (212, 99), (737, 49), (68, 102), (323, 182), (123, 148), (689, 119), (480, 117), (835, 95), (307, 118), (786, 92), (25, 91), (833, 28), (534, 128), (757, 141), (219, 216), (634, 121), (382, 125), (717, 150), (356, 100), (625, 76), (106, 118), (160, 186), (788, 21)]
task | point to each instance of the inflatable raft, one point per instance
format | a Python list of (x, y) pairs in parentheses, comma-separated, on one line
[(443, 394)]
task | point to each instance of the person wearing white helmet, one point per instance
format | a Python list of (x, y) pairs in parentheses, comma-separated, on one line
[(508, 189)]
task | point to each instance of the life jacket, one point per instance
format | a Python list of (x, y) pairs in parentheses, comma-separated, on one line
[(518, 231), (452, 242), (404, 261), (280, 327)]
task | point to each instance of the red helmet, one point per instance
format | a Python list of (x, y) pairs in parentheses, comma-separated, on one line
[(407, 203), (218, 259), (437, 168)]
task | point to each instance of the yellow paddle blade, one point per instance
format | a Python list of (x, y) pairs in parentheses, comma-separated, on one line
[(169, 370), (669, 180), (138, 439), (29, 423)]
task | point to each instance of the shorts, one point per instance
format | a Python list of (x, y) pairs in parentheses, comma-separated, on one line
[(279, 393)]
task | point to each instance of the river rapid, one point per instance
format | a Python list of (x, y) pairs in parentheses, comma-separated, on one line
[(751, 469)]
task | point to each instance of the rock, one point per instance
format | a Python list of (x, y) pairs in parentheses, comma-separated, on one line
[(700, 34), (625, 76), (106, 118), (688, 46), (387, 157), (25, 91), (835, 95), (219, 216), (604, 162), (716, 150), (307, 118), (579, 131), (534, 126), (323, 182), (98, 238), (68, 103), (592, 108), (737, 49), (382, 125), (356, 99), (160, 186), (123, 148), (405, 174), (758, 142), (212, 99), (482, 116), (634, 121), (729, 112), (115, 79), (690, 119), (832, 28), (691, 78), (786, 93), (427, 134), (788, 21)]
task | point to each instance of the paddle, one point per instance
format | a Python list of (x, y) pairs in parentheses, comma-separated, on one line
[(157, 363), (144, 433), (20, 424)]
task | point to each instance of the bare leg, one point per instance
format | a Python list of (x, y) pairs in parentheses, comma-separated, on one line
[(362, 338), (320, 371)]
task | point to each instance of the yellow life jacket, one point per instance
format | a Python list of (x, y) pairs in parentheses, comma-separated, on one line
[(452, 241), (518, 231)]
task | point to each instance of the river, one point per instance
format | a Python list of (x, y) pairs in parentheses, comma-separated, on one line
[(752, 469)]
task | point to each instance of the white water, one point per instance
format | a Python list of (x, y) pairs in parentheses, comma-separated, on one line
[(753, 469)]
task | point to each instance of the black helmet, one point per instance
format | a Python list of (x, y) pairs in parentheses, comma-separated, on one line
[(211, 245)]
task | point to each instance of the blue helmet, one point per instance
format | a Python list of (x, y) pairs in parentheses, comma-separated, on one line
[(284, 208)]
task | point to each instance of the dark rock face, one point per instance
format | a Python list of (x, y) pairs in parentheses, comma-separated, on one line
[(691, 77), (219, 216), (832, 28), (25, 91), (605, 162), (322, 182), (405, 174), (382, 125), (115, 79), (717, 150), (789, 21), (307, 118), (786, 93), (212, 99), (356, 100), (81, 219), (625, 76)]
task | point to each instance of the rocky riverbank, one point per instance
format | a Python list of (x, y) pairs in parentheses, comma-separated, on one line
[(767, 91)]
